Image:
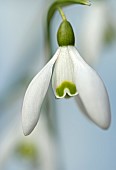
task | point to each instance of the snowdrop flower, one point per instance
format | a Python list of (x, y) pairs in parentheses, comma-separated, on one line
[(95, 26), (71, 76), (99, 31)]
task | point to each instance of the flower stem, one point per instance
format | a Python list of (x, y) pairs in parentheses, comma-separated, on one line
[(61, 13)]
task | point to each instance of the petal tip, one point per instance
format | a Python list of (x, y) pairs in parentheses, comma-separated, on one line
[(25, 133), (27, 130), (104, 127), (104, 124), (28, 126)]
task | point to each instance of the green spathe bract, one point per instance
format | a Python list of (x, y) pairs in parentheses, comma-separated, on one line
[(65, 34), (66, 85)]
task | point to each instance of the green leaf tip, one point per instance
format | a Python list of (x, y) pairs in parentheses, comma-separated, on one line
[(82, 2)]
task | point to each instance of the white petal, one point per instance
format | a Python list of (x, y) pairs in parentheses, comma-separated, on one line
[(63, 80), (35, 95), (81, 106), (91, 91)]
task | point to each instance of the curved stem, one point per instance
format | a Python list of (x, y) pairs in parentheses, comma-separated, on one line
[(61, 13), (63, 3), (57, 5)]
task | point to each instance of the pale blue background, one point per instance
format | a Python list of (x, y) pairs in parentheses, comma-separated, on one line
[(83, 145)]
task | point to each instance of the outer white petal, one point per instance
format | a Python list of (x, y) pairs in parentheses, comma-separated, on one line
[(91, 90), (81, 106), (35, 95)]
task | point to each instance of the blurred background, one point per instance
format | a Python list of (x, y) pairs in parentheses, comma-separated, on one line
[(63, 139)]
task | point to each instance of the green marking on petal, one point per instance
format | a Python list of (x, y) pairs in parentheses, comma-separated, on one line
[(66, 85)]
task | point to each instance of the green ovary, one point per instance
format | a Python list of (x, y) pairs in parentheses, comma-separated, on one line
[(66, 85)]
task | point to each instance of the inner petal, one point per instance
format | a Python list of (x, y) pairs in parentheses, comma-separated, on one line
[(63, 75)]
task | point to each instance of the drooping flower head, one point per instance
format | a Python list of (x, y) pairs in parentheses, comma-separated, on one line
[(71, 76)]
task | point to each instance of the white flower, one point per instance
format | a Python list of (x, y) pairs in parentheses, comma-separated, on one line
[(71, 76), (95, 27)]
